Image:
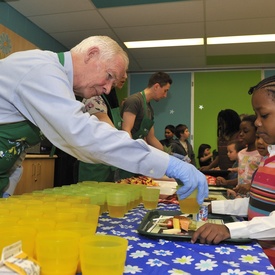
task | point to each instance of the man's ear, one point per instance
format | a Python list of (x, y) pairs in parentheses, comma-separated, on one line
[(91, 53), (156, 86)]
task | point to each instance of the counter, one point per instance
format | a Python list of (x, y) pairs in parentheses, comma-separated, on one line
[(38, 173)]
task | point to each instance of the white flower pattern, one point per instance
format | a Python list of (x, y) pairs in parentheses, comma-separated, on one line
[(146, 256)]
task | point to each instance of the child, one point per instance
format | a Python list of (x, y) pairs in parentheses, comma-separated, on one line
[(169, 135), (205, 155), (181, 145), (228, 129), (261, 147), (249, 158), (233, 148), (260, 206)]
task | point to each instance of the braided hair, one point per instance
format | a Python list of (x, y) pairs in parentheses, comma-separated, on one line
[(268, 84), (228, 123)]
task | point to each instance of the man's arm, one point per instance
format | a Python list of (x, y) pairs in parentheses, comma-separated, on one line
[(152, 140), (128, 120), (104, 117)]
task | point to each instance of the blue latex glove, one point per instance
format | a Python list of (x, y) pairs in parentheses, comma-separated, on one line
[(190, 177)]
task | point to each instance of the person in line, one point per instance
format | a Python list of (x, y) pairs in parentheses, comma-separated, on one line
[(260, 206), (249, 157), (233, 148), (137, 113), (228, 122), (105, 108), (38, 98), (204, 154), (262, 148), (182, 146), (169, 133)]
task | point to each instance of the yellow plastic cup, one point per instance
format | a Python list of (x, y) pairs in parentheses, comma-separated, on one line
[(117, 203), (103, 254), (190, 205), (58, 252), (82, 228), (150, 197), (15, 233)]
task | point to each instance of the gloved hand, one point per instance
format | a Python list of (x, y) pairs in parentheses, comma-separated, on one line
[(190, 177)]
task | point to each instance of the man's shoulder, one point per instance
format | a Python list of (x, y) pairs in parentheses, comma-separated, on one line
[(134, 99)]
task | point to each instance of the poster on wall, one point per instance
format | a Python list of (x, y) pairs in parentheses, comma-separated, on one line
[(11, 42)]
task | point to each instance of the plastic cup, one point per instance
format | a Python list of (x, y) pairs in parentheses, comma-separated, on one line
[(190, 205), (82, 228), (15, 233), (92, 215), (58, 252), (103, 254), (150, 197), (117, 203)]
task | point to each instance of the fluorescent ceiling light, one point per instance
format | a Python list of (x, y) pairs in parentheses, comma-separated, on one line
[(241, 39), (164, 43)]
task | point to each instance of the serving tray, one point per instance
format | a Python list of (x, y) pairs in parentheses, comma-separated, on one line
[(147, 226)]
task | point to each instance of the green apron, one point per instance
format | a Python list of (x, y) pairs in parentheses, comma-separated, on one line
[(101, 172), (145, 126), (115, 113), (14, 139), (146, 123)]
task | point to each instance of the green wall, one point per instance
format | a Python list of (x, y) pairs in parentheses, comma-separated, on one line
[(217, 91)]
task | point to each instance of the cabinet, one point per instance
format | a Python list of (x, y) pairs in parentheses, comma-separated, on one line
[(38, 174)]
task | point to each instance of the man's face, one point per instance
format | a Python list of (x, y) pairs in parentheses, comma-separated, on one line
[(97, 76), (121, 82), (161, 92), (264, 106)]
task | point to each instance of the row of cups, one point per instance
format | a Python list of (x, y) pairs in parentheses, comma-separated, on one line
[(57, 226), (60, 235), (116, 199)]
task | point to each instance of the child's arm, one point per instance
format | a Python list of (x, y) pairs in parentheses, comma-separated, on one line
[(233, 169), (220, 181)]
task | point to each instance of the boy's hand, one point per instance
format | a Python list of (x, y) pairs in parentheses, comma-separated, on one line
[(211, 233)]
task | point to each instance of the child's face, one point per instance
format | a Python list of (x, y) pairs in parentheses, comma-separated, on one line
[(168, 134), (264, 106), (261, 146), (247, 134), (232, 152), (186, 134), (207, 151)]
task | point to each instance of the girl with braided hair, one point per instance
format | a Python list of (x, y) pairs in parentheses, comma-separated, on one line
[(228, 122), (260, 206)]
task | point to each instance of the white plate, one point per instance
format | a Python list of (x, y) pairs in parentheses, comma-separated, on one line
[(166, 187)]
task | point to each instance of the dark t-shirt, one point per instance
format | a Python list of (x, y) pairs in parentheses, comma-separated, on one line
[(134, 104)]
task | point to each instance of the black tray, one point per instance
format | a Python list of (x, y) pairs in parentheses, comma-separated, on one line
[(147, 222), (216, 173)]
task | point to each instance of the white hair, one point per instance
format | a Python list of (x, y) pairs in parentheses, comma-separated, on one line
[(107, 46)]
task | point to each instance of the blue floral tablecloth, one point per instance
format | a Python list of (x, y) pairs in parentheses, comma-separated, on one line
[(159, 256)]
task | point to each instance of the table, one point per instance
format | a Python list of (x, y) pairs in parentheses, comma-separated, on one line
[(159, 256)]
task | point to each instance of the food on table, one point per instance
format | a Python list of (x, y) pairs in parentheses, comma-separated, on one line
[(209, 199), (139, 180), (211, 180)]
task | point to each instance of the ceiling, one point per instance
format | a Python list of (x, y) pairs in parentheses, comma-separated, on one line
[(70, 21)]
